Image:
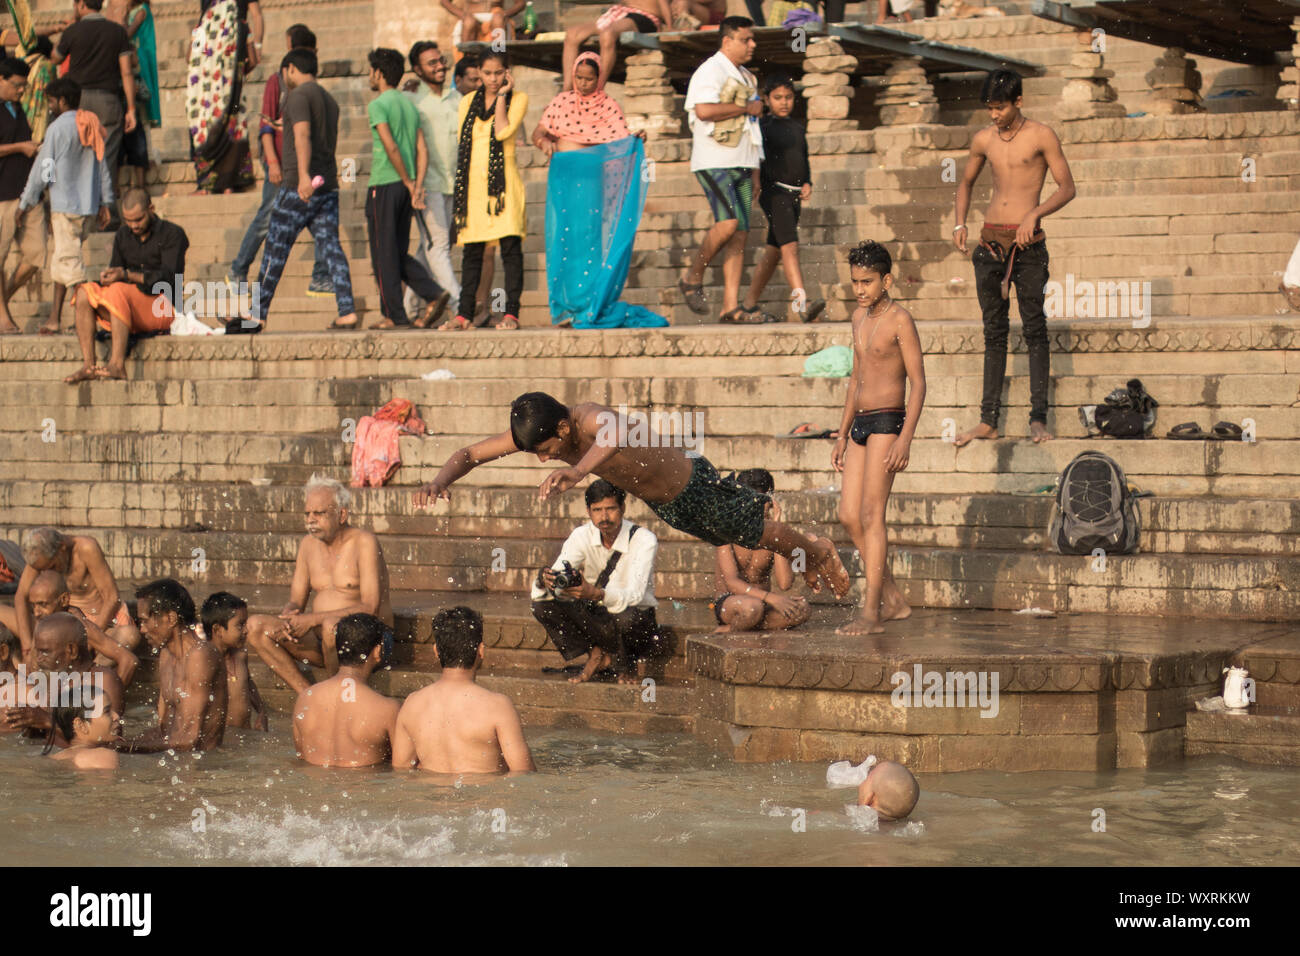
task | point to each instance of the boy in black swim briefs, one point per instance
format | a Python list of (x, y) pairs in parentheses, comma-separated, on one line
[(877, 427), (685, 491)]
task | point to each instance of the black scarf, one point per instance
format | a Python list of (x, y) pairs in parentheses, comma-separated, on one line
[(496, 184)]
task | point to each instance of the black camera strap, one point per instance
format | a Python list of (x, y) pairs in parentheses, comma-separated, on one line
[(612, 563)]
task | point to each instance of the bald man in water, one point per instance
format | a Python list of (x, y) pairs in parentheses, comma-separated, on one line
[(136, 293), (341, 722), (453, 725), (62, 650), (890, 790), (340, 571), (90, 583), (49, 595)]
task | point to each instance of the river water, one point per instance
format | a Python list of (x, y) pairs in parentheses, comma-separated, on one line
[(618, 800)]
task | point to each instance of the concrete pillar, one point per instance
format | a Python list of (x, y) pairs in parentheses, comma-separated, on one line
[(649, 101), (828, 85), (905, 96), (1176, 85), (1088, 93)]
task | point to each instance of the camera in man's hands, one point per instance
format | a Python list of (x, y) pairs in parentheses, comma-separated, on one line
[(569, 577)]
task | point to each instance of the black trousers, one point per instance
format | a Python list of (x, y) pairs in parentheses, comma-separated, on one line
[(471, 267), (1029, 274), (575, 627), (388, 221)]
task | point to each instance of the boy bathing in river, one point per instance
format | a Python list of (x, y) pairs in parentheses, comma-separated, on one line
[(92, 733), (876, 430), (225, 622), (746, 601), (685, 492), (890, 790)]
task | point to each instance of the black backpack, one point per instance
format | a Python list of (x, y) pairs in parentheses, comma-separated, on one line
[(1094, 508)]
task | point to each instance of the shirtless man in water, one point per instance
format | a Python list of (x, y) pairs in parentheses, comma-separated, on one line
[(687, 493), (744, 578), (876, 430), (454, 725), (192, 694), (1021, 151), (341, 722), (341, 569), (91, 587)]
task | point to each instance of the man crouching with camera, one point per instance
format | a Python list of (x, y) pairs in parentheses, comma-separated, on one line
[(598, 598)]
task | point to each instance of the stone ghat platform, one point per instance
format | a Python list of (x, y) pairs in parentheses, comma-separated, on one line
[(1077, 692)]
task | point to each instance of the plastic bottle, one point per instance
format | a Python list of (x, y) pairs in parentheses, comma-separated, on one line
[(317, 182), (530, 21)]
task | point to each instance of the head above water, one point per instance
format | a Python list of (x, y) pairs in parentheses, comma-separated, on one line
[(458, 637), (890, 790), (48, 594), (359, 640), (737, 39), (60, 642), (225, 619), (537, 419), (1002, 94), (11, 649), (164, 607), (325, 508)]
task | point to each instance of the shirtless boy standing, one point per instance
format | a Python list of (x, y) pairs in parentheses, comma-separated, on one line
[(341, 722), (225, 622), (685, 492), (89, 581), (454, 725), (876, 431), (1012, 247), (746, 601), (192, 692), (341, 569)]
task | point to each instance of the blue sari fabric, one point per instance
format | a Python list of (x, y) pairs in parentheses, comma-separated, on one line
[(594, 198)]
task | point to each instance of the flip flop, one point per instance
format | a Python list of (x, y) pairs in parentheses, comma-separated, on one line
[(1187, 431), (457, 323), (433, 312), (244, 327), (388, 325), (694, 296), (809, 430), (1226, 431), (337, 326), (814, 310)]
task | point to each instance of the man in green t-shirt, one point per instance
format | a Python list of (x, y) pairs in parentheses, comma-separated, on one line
[(399, 159)]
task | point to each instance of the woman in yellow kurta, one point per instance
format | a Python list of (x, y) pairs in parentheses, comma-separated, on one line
[(489, 195)]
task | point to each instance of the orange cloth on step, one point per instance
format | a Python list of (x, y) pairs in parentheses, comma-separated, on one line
[(140, 311)]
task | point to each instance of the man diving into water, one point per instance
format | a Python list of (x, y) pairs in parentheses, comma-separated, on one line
[(685, 492)]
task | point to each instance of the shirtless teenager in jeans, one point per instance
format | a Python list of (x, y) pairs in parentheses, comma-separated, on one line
[(1012, 247)]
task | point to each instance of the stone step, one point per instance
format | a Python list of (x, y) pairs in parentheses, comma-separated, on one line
[(998, 522), (1261, 737)]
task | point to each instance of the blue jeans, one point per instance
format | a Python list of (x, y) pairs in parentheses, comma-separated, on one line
[(257, 229), (289, 216)]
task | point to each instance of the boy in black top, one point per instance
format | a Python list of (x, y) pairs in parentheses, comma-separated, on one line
[(17, 151), (785, 184)]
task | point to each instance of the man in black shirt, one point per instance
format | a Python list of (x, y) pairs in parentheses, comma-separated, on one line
[(101, 66), (135, 294), (16, 152)]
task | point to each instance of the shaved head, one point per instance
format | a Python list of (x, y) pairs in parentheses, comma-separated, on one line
[(47, 587), (890, 789), (57, 632), (136, 198)]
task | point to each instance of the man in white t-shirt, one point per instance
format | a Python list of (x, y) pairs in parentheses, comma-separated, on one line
[(610, 616), (722, 107)]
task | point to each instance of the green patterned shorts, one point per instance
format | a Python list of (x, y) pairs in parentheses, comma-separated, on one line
[(715, 509)]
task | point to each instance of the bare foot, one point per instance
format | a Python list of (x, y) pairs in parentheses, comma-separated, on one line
[(979, 431), (87, 373), (597, 660), (49, 327), (7, 327), (895, 609), (1039, 433), (861, 625), (824, 564)]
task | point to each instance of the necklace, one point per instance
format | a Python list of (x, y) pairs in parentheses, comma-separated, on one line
[(1017, 132), (878, 316)]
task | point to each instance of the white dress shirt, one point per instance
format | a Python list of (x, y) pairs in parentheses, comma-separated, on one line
[(633, 582)]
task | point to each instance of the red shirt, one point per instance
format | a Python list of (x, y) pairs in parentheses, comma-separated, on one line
[(271, 113)]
